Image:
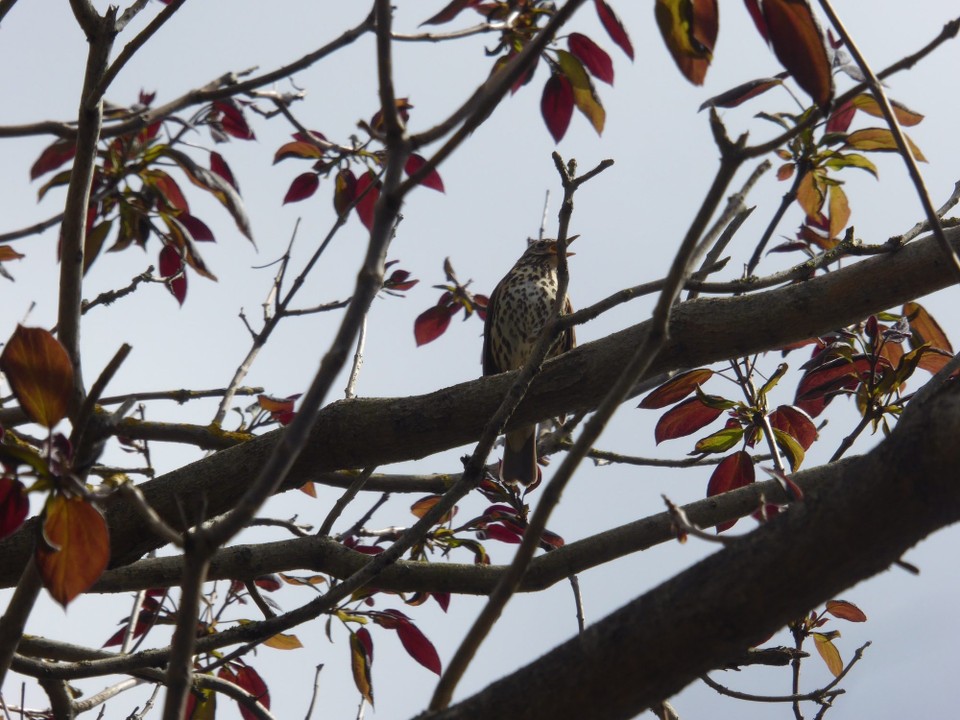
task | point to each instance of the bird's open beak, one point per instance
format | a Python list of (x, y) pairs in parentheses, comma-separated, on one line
[(569, 240)]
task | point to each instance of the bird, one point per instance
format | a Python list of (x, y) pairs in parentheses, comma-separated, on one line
[(517, 310)]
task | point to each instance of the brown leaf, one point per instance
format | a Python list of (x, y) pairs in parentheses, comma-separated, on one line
[(799, 45), (689, 30), (76, 549), (40, 374), (925, 329)]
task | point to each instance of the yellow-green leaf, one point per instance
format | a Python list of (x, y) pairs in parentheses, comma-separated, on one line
[(828, 651), (584, 96), (880, 140)]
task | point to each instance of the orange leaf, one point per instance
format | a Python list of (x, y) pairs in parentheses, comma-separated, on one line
[(422, 506), (799, 46), (676, 388), (8, 253), (905, 116), (40, 373), (77, 547), (846, 611), (925, 329)]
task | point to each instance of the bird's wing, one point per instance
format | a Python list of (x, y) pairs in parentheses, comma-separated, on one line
[(489, 366)]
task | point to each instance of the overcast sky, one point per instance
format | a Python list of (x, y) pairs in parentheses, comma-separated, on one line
[(630, 218)]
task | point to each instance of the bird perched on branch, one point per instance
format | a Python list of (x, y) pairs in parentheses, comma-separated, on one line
[(516, 314)]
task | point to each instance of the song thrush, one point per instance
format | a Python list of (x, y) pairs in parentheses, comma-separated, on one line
[(516, 313)]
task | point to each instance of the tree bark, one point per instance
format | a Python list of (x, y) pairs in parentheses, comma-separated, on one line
[(875, 508), (368, 432)]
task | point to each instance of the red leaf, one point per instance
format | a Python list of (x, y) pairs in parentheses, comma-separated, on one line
[(733, 472), (415, 642), (741, 93), (14, 505), (233, 121), (178, 288), (498, 531), (551, 541), (796, 423), (594, 58), (841, 118), (170, 192), (431, 180), (170, 261), (198, 229), (833, 376), (40, 374), (220, 167), (685, 419), (53, 156), (442, 598), (556, 105), (368, 190), (611, 23), (799, 45), (250, 680), (302, 187), (753, 7), (431, 324), (345, 190), (676, 388)]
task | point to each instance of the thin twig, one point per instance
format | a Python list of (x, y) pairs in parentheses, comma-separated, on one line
[(351, 389), (344, 500), (876, 88)]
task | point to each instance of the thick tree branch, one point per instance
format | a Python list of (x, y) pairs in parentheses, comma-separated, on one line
[(702, 331), (875, 508)]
